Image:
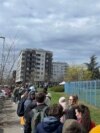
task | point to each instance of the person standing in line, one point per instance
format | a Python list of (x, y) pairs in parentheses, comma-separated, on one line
[(72, 126), (83, 117), (29, 104), (47, 98), (63, 103), (45, 86), (29, 100), (70, 110), (51, 123), (15, 94), (29, 118)]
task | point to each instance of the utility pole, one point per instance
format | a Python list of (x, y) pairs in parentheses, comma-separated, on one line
[(2, 60)]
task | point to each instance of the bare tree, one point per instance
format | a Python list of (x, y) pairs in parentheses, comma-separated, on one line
[(2, 59), (7, 61)]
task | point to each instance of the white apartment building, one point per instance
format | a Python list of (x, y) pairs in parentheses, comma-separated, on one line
[(59, 71), (34, 64), (18, 71)]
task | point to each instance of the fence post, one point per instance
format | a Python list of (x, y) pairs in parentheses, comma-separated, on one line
[(86, 89), (90, 91), (95, 91)]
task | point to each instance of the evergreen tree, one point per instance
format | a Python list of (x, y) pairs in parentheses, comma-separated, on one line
[(93, 67)]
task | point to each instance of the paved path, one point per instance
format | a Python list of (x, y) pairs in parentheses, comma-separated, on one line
[(9, 121)]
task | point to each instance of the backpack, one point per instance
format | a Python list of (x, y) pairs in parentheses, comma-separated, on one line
[(20, 107), (38, 116)]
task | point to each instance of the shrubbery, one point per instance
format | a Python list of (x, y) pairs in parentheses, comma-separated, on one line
[(57, 88)]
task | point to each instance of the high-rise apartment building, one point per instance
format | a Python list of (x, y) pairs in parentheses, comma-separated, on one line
[(59, 69), (34, 65)]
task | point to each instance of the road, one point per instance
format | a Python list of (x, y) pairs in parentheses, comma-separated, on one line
[(9, 121)]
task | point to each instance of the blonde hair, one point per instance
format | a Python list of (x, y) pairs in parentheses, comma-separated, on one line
[(72, 126)]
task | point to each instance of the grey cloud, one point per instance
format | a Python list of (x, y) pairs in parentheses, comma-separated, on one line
[(69, 28)]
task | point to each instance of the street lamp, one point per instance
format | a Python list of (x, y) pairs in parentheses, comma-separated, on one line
[(2, 59)]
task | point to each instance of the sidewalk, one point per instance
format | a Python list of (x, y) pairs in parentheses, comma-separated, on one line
[(9, 121)]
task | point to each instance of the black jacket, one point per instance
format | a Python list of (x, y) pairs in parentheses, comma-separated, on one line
[(70, 113), (27, 127)]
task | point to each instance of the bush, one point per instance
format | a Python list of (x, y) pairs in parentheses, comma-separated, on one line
[(57, 88)]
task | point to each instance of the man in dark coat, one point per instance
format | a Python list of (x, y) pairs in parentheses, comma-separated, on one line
[(51, 123)]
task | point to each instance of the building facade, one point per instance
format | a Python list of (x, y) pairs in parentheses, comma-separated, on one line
[(59, 69), (34, 65)]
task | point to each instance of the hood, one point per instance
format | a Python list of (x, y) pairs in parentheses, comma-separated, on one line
[(50, 123)]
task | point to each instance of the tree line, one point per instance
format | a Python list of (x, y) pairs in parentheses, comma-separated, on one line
[(87, 71)]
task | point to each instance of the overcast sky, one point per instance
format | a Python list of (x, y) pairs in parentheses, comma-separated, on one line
[(68, 28)]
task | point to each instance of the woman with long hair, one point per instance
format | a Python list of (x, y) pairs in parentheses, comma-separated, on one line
[(83, 117)]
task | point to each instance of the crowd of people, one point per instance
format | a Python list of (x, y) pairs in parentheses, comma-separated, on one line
[(40, 116)]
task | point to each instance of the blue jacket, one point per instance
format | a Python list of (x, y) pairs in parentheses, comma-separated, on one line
[(50, 124)]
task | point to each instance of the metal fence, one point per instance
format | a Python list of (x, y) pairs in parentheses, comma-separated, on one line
[(88, 91)]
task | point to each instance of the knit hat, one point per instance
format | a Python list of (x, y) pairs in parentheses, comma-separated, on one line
[(62, 99), (32, 92), (62, 102)]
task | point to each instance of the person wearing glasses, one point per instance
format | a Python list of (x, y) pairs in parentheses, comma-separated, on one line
[(70, 111)]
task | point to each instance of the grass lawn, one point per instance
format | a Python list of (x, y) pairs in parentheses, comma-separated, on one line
[(95, 112)]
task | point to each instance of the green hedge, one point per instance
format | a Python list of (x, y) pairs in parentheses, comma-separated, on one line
[(57, 88)]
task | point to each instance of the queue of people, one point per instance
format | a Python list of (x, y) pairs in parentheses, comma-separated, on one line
[(67, 116)]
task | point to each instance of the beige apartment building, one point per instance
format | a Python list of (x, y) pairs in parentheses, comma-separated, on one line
[(59, 69), (34, 65)]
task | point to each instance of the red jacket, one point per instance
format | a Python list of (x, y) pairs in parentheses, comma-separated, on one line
[(92, 125)]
